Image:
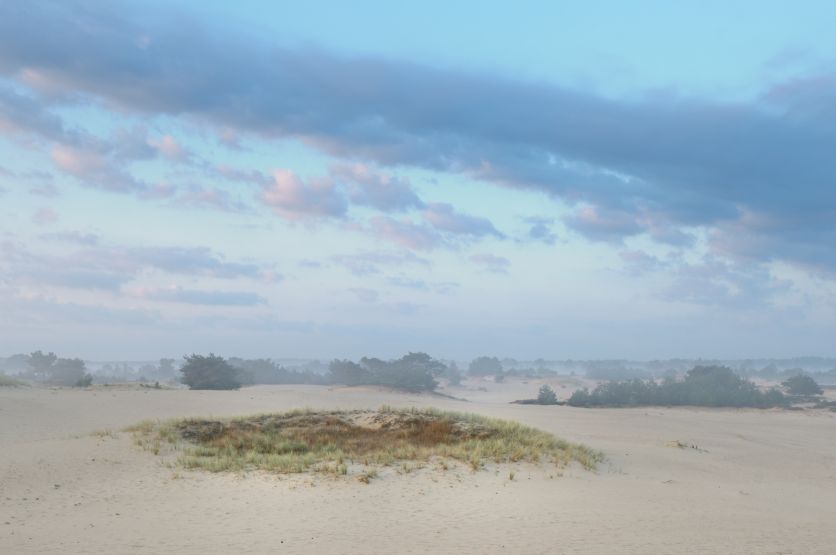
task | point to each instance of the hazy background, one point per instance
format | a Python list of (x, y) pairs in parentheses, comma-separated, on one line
[(318, 181)]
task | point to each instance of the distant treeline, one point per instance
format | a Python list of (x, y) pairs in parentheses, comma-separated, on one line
[(48, 368), (706, 386), (411, 372)]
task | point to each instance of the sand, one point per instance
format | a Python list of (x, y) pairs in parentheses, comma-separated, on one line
[(758, 482)]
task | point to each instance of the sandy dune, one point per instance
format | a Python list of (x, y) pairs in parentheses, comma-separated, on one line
[(761, 482)]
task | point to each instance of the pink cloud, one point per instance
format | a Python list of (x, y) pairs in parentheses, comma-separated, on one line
[(45, 216), (292, 198), (168, 147)]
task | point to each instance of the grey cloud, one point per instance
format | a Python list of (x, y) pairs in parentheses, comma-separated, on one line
[(109, 268), (638, 262), (443, 288), (366, 263), (604, 225), (714, 282), (207, 298), (45, 216), (295, 199), (492, 263), (684, 162), (541, 230), (72, 237), (198, 196), (364, 294), (444, 217), (406, 233), (376, 189)]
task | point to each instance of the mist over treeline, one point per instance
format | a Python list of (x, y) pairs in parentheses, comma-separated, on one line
[(312, 371)]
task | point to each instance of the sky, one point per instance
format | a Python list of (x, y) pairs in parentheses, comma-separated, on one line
[(585, 180)]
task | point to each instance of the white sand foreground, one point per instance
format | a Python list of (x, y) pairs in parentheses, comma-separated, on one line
[(761, 482)]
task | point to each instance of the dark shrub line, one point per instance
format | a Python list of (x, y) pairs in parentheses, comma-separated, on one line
[(705, 386)]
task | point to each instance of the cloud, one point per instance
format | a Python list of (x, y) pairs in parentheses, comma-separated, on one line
[(238, 175), (714, 282), (603, 225), (444, 217), (376, 189), (443, 288), (96, 266), (45, 216), (541, 230), (406, 233), (492, 263), (76, 237), (292, 198), (93, 167), (683, 161), (23, 115), (197, 196), (638, 262), (365, 295), (366, 263), (200, 297), (168, 147)]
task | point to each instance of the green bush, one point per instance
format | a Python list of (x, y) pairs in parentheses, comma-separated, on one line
[(209, 372), (485, 366), (706, 386), (802, 385), (68, 372), (411, 372), (546, 395), (265, 371)]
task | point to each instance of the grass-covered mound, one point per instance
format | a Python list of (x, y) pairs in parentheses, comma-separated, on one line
[(333, 441)]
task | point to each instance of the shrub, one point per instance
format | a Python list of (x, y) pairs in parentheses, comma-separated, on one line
[(453, 374), (802, 384), (265, 371), (412, 372), (709, 386), (6, 381), (546, 395), (68, 372), (209, 372), (485, 366), (347, 372), (40, 365)]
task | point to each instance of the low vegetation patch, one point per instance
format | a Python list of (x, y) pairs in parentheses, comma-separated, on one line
[(705, 386), (337, 441), (6, 381), (802, 384)]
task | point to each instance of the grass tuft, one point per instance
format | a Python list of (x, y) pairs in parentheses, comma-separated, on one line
[(330, 441)]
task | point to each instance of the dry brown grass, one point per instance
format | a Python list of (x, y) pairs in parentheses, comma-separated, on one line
[(331, 441)]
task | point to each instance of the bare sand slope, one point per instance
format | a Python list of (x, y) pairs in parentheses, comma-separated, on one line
[(762, 482)]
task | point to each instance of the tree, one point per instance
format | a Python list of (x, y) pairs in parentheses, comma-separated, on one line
[(15, 363), (546, 395), (347, 373), (209, 372), (453, 374), (485, 366), (802, 384), (40, 364), (166, 368), (69, 372), (412, 372)]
